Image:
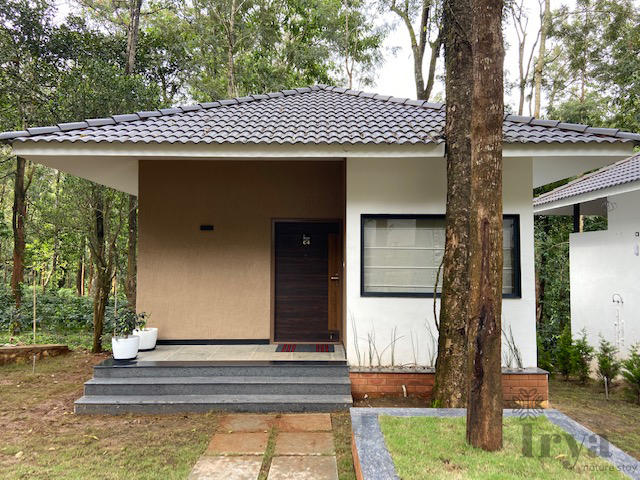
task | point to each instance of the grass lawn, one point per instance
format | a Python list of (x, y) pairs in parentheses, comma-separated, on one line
[(427, 447), (42, 438), (618, 419)]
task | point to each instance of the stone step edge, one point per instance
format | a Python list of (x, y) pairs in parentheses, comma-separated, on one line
[(225, 380), (209, 399)]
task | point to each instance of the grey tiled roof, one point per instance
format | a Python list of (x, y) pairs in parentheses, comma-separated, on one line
[(315, 115), (624, 171)]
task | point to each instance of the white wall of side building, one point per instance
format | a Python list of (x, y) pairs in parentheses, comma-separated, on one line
[(418, 186), (603, 264)]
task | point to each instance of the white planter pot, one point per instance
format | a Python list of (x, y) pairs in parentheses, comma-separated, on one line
[(125, 348), (148, 338)]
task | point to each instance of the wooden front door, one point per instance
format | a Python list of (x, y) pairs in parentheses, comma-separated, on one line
[(308, 276)]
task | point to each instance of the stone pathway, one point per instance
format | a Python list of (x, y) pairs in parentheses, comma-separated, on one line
[(296, 446)]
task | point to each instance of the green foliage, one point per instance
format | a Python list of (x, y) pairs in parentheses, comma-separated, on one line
[(544, 356), (631, 373), (125, 323), (608, 365), (551, 236), (593, 77), (582, 357), (565, 353), (141, 320), (57, 311)]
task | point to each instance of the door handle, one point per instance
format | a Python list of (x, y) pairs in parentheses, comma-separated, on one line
[(335, 277)]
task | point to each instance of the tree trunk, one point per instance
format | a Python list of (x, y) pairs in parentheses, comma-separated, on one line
[(101, 274), (418, 45), (435, 54), (132, 35), (231, 41), (56, 236), (451, 374), (417, 73), (18, 221), (132, 265), (523, 81), (90, 280), (545, 24), (2, 264), (484, 401), (81, 271), (100, 299)]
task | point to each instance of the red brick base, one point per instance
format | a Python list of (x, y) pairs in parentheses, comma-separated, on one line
[(516, 387)]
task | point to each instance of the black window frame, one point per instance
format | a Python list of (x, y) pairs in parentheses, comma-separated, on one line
[(517, 286)]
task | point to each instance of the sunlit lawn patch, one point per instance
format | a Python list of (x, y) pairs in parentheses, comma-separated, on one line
[(430, 447)]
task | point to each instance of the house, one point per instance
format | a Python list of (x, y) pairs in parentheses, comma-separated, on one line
[(604, 265), (313, 215)]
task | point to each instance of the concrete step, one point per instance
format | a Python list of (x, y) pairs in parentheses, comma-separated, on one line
[(226, 369), (117, 404), (225, 385)]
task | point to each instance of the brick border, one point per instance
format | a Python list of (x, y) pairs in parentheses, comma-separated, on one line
[(517, 387)]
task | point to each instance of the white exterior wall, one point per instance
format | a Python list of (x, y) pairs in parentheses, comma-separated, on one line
[(603, 264), (418, 186)]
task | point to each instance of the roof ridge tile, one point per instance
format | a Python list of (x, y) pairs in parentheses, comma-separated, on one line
[(352, 110)]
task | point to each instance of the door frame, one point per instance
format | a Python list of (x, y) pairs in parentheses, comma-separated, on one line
[(272, 306)]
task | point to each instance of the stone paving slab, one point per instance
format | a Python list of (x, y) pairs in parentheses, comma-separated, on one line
[(303, 468), (226, 468), (304, 443), (247, 423), (240, 443), (305, 422)]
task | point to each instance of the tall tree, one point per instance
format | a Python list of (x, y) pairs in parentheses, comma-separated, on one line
[(105, 225), (520, 18), (18, 223), (132, 243), (430, 24), (545, 25), (451, 373), (133, 29), (360, 44), (484, 400)]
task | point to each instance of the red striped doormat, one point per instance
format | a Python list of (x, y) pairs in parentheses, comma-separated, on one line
[(294, 347)]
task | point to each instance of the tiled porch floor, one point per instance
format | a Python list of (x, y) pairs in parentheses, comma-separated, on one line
[(186, 353)]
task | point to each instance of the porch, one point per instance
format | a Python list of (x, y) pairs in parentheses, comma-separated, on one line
[(200, 378), (240, 353)]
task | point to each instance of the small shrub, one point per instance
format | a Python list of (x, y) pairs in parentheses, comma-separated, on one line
[(631, 373), (608, 365), (565, 353), (545, 361), (582, 357), (125, 323)]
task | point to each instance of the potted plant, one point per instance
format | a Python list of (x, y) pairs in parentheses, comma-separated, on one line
[(123, 343), (148, 335)]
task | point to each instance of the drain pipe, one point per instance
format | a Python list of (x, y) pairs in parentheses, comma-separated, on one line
[(619, 321)]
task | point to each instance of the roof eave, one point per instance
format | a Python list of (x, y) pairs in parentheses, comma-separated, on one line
[(586, 197)]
